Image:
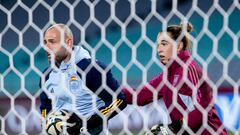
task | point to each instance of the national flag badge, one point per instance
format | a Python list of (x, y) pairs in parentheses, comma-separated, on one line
[(175, 80), (74, 83)]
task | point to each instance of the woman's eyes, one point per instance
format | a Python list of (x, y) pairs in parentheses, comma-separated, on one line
[(163, 43)]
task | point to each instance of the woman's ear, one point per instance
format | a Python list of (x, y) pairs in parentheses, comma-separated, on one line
[(180, 47)]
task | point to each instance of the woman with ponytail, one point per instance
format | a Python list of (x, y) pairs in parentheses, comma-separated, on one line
[(182, 85)]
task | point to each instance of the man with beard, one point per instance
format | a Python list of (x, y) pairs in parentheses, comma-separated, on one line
[(77, 84)]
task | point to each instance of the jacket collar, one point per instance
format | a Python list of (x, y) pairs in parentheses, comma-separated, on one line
[(77, 55), (182, 55)]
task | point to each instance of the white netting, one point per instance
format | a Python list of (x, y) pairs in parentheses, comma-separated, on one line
[(122, 34)]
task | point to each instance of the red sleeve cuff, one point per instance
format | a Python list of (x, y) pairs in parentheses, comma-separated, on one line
[(128, 95)]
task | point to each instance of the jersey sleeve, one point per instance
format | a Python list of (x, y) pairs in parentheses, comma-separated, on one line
[(46, 104), (104, 85), (203, 97), (145, 94)]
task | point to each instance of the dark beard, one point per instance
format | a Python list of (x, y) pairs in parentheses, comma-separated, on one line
[(60, 56), (59, 59)]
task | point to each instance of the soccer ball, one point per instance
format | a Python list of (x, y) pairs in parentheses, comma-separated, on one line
[(159, 130), (56, 122)]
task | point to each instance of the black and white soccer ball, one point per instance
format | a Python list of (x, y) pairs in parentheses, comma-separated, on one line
[(56, 122), (159, 129)]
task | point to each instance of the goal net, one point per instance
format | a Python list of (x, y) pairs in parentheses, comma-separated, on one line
[(122, 34)]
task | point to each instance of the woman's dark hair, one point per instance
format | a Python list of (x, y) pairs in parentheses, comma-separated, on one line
[(176, 31)]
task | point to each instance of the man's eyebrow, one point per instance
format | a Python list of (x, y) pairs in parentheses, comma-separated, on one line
[(50, 40)]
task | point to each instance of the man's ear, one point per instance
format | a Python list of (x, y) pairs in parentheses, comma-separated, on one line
[(69, 42), (180, 47)]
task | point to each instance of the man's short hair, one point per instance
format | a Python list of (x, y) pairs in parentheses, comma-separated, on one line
[(67, 31)]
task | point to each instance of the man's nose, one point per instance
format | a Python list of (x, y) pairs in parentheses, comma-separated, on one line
[(47, 47)]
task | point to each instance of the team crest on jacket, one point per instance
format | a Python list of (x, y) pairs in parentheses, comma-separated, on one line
[(74, 83), (175, 79)]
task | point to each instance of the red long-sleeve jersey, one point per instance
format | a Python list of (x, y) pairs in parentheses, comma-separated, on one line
[(183, 88)]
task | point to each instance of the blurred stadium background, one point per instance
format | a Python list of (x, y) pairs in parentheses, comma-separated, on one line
[(111, 36)]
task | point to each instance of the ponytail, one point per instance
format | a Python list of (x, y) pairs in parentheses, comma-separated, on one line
[(176, 30)]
